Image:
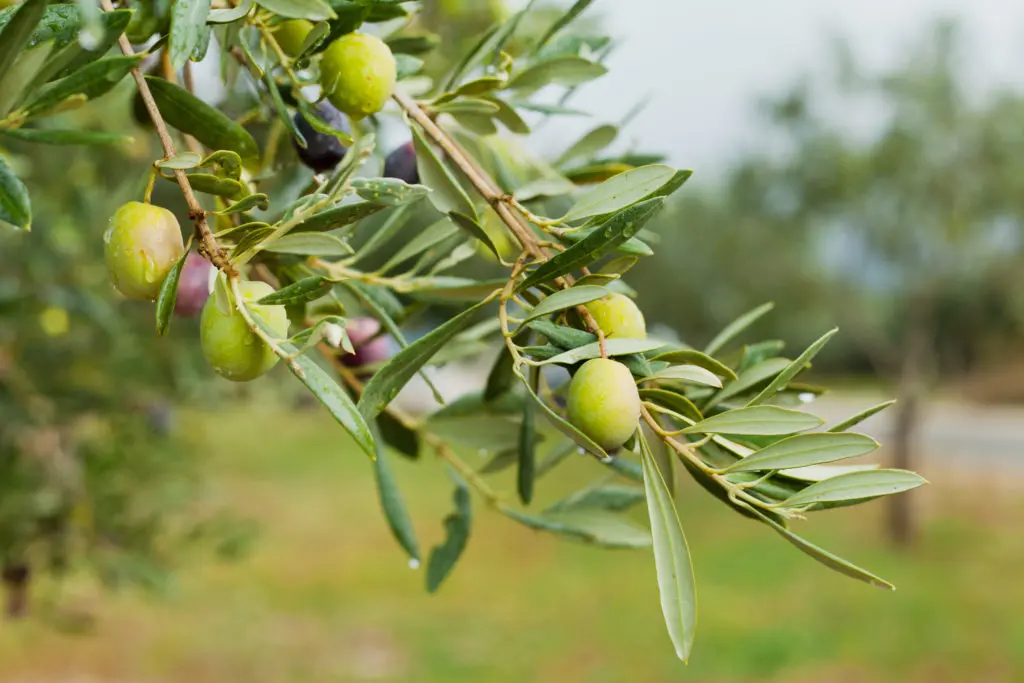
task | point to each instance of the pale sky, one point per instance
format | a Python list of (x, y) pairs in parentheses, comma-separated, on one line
[(706, 62)]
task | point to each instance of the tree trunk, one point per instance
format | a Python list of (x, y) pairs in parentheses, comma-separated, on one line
[(915, 367), (15, 578)]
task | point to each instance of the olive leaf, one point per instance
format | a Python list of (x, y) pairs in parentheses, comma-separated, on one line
[(15, 209), (188, 28), (168, 296), (393, 505), (457, 524), (620, 191), (189, 114)]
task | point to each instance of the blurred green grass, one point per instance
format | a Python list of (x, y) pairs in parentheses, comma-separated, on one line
[(328, 596)]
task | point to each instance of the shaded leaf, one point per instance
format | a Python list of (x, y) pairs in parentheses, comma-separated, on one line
[(595, 527), (17, 30), (750, 378), (338, 217), (671, 558), (385, 385), (736, 327), (604, 239), (90, 82), (393, 505), (674, 401), (614, 497), (806, 449), (188, 114), (15, 208), (168, 296), (620, 191), (457, 524), (306, 289), (448, 194), (757, 420), (792, 369)]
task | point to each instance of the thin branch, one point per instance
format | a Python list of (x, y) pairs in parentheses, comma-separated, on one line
[(208, 244)]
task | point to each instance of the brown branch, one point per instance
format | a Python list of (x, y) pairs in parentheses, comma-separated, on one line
[(208, 244), (492, 194)]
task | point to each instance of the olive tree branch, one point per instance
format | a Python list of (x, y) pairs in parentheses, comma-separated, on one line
[(208, 243), (498, 200)]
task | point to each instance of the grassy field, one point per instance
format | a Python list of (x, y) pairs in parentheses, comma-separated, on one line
[(328, 596)]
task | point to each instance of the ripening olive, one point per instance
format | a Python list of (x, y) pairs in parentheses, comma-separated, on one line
[(618, 317), (322, 151), (193, 286), (233, 349), (401, 164), (603, 402), (291, 34), (143, 242), (370, 346), (358, 74)]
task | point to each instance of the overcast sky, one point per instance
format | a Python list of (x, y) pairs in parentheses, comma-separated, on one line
[(707, 62)]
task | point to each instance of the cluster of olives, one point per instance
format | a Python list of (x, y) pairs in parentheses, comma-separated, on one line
[(603, 401)]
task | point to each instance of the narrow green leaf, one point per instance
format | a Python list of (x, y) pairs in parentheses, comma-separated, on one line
[(856, 485), (384, 386), (50, 136), (90, 82), (566, 298), (806, 449), (823, 556), (281, 109), (393, 505), (768, 420), (620, 191), (231, 15), (188, 26), (168, 296), (338, 217), (254, 201), (306, 289), (736, 327), (674, 401), (508, 116), (207, 183), (430, 236), (388, 191), (336, 401), (565, 71), (188, 114), (604, 239), (860, 417), (562, 21), (314, 10), (15, 34), (15, 209), (589, 145), (694, 357), (457, 524), (687, 373), (749, 378), (671, 558), (527, 450), (631, 247), (595, 527), (400, 437), (476, 230), (22, 76), (792, 369), (614, 497), (613, 347), (448, 194), (182, 161), (469, 105), (308, 244)]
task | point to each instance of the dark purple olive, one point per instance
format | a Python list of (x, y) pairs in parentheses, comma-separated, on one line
[(322, 151), (193, 287), (401, 164), (370, 346)]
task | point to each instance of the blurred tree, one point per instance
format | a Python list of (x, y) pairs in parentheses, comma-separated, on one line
[(910, 235)]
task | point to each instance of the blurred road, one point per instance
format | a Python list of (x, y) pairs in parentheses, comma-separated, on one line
[(952, 433)]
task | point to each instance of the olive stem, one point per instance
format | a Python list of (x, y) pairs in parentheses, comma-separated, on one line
[(218, 257)]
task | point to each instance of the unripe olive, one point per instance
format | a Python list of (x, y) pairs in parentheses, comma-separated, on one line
[(603, 402), (618, 316), (358, 74), (322, 151), (370, 346), (401, 164), (143, 242), (193, 286), (230, 346), (291, 34)]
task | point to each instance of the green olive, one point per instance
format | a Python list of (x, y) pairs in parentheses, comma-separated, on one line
[(230, 346), (291, 35), (603, 402), (142, 244), (358, 74), (618, 317)]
